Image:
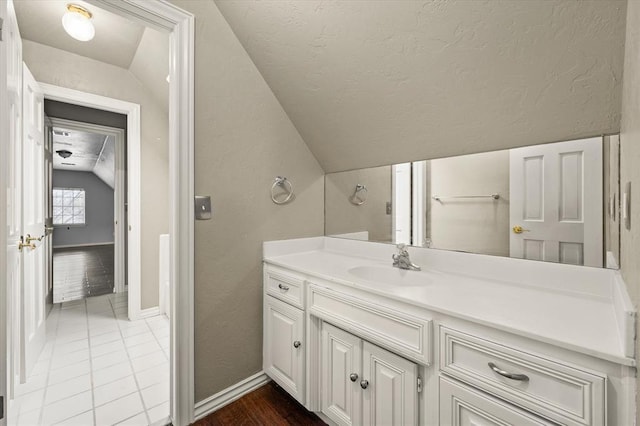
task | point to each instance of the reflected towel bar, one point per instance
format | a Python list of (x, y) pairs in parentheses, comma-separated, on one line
[(440, 198)]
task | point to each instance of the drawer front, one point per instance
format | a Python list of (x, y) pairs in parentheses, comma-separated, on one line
[(403, 334), (284, 286), (461, 405), (559, 392)]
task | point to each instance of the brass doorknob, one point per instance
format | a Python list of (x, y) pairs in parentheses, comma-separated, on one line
[(29, 238), (519, 229)]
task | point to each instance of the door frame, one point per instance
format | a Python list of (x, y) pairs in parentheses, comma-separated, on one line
[(132, 111), (162, 15), (119, 192)]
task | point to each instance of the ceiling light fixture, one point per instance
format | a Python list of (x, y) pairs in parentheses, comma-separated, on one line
[(64, 153), (77, 23)]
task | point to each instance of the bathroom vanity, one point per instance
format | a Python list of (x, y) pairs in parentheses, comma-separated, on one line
[(468, 340)]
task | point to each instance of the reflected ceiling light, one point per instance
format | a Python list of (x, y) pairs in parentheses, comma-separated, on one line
[(77, 23)]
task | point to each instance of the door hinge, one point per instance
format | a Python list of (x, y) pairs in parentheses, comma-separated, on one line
[(1, 26), (1, 407), (419, 384)]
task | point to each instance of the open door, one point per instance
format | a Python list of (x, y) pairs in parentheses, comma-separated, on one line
[(34, 285), (551, 218)]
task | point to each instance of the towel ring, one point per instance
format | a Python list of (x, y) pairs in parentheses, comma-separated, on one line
[(356, 195), (282, 182)]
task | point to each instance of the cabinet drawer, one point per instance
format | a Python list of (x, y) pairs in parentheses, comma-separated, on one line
[(401, 333), (460, 405), (284, 286), (564, 394)]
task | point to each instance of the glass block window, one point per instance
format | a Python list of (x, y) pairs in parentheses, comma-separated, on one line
[(68, 206)]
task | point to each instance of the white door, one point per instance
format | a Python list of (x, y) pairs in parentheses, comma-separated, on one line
[(283, 356), (556, 202), (34, 284), (401, 203), (13, 163), (341, 371), (391, 397)]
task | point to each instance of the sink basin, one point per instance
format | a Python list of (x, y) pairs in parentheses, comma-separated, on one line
[(392, 276)]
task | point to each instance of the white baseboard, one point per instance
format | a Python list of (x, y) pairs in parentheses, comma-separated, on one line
[(84, 245), (230, 394), (144, 313)]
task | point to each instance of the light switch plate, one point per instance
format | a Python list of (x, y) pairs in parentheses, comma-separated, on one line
[(203, 207)]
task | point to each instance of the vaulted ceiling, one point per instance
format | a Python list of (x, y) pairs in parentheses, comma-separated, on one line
[(377, 82)]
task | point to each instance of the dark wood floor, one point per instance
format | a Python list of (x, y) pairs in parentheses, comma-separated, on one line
[(268, 405), (80, 272)]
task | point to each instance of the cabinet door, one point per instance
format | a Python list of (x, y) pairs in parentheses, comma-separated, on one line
[(391, 396), (341, 371), (461, 405), (283, 357)]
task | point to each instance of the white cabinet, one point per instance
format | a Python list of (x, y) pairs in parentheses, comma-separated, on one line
[(461, 405), (365, 384), (283, 346)]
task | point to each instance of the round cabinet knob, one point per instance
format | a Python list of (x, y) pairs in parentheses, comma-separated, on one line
[(296, 344), (364, 384), (353, 377)]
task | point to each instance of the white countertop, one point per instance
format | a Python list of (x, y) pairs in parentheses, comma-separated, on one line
[(586, 322)]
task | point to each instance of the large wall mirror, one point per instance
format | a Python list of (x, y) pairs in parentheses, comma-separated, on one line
[(554, 202)]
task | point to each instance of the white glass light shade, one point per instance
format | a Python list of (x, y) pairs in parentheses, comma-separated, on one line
[(78, 25)]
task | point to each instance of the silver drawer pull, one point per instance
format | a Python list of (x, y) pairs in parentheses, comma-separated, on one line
[(296, 344), (283, 287), (353, 377), (364, 384), (512, 376)]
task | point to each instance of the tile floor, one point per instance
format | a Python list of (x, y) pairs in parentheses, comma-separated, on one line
[(98, 368)]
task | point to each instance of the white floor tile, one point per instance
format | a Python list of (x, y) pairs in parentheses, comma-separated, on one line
[(67, 408), (70, 347), (138, 420), (153, 375), (158, 413), (143, 349), (110, 374), (156, 394), (148, 361), (114, 390), (107, 360), (70, 371), (28, 402), (32, 418), (67, 388), (105, 338), (84, 419), (34, 383), (119, 410), (63, 360), (107, 348), (139, 338), (134, 331)]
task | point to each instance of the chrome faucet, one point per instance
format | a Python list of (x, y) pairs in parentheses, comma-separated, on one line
[(402, 260)]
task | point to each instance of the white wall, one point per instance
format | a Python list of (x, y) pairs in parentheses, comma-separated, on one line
[(65, 69), (99, 211), (474, 225)]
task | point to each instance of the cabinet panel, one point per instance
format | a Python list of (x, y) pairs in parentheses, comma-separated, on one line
[(283, 357), (341, 357), (391, 397), (554, 390), (460, 405), (405, 334)]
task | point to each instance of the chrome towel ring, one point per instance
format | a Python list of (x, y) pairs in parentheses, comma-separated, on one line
[(359, 196), (282, 182)]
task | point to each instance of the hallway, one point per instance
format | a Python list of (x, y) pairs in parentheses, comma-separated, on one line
[(98, 368)]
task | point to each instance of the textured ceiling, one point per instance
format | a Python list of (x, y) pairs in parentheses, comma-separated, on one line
[(90, 152), (377, 82), (115, 42)]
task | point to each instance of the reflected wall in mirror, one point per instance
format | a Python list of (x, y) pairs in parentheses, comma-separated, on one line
[(555, 202)]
